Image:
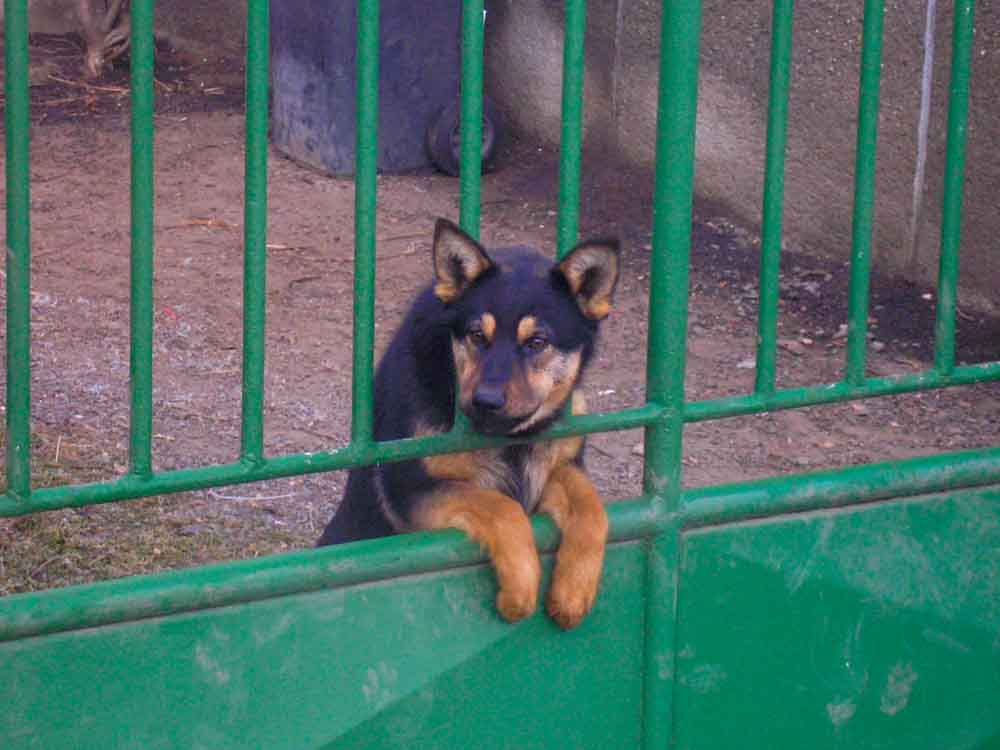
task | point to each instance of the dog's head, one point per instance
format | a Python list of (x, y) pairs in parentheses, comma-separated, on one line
[(523, 328)]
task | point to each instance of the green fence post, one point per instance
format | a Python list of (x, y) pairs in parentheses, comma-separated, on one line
[(667, 333), (141, 317), (471, 118), (774, 194), (571, 139), (864, 191), (18, 241), (255, 232), (954, 174), (365, 197)]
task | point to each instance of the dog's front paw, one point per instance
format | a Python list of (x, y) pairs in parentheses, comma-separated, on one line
[(516, 605), (519, 582), (574, 589)]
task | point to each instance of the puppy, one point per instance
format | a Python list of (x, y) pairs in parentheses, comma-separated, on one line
[(509, 334)]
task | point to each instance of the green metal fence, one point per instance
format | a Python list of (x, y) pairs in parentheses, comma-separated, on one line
[(661, 520)]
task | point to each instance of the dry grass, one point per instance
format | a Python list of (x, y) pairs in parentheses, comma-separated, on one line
[(81, 545)]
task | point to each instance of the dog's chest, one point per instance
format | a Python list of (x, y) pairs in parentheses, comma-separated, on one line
[(522, 471)]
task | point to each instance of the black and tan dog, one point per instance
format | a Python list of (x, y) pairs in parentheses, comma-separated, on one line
[(515, 332)]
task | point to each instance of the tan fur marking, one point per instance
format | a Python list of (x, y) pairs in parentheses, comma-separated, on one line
[(458, 261), (526, 328), (598, 309), (454, 466), (484, 468), (500, 525), (546, 456), (551, 384), (446, 291), (467, 369), (594, 303), (489, 325), (572, 501)]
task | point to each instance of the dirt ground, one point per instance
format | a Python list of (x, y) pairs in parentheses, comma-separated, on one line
[(80, 232)]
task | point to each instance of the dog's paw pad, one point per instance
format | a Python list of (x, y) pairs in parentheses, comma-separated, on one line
[(516, 605)]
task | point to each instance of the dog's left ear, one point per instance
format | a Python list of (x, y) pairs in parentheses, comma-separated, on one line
[(591, 270), (458, 261)]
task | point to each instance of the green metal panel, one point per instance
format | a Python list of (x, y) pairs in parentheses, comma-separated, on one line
[(876, 627), (418, 661)]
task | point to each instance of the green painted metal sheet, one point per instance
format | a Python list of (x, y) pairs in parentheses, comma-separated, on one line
[(874, 627), (418, 661)]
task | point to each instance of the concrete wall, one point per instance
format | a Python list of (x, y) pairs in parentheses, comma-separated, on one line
[(524, 53)]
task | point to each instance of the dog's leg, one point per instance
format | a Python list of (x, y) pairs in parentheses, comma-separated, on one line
[(571, 499), (499, 524)]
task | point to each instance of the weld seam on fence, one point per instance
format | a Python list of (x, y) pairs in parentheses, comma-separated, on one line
[(700, 411), (954, 175), (255, 232), (246, 581), (571, 139), (355, 454), (471, 117), (365, 198), (864, 191), (774, 195), (18, 242), (141, 294)]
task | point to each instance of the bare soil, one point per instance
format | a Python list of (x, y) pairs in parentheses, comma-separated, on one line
[(80, 288)]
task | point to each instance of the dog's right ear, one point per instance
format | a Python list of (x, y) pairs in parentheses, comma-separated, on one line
[(458, 261)]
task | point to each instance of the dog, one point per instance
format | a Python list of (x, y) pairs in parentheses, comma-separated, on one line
[(515, 333)]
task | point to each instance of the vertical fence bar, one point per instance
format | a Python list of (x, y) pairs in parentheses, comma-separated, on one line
[(255, 231), (571, 139), (864, 191), (18, 241), (665, 363), (141, 317), (365, 193), (774, 194), (954, 174), (673, 200), (471, 135), (471, 121)]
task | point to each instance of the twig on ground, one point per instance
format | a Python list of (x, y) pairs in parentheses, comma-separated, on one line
[(220, 496), (89, 86), (209, 223)]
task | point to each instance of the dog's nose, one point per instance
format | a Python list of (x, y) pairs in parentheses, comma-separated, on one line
[(489, 398)]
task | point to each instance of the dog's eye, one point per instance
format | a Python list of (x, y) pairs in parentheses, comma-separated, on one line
[(536, 343), (477, 337)]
